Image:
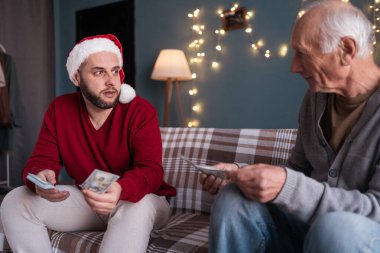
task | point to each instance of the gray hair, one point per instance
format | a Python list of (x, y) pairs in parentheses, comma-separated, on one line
[(346, 20)]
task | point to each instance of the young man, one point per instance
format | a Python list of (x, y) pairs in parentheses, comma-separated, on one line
[(104, 126), (326, 199)]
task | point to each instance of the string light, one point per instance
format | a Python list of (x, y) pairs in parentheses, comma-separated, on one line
[(283, 50), (215, 64), (257, 46), (193, 123), (197, 108), (196, 58), (375, 18), (193, 91)]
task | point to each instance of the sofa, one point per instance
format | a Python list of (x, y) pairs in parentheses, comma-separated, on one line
[(187, 229)]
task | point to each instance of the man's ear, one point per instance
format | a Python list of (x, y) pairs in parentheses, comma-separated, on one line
[(76, 79), (347, 50)]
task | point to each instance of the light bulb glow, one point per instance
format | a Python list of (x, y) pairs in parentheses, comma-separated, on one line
[(267, 53), (283, 50), (193, 123), (196, 108), (193, 92), (301, 13)]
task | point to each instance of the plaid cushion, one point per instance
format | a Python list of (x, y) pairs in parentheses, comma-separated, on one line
[(187, 229)]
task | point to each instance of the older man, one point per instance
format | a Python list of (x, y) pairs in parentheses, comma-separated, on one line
[(105, 126), (327, 197)]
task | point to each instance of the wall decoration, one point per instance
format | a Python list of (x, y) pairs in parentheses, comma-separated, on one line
[(234, 19), (197, 56)]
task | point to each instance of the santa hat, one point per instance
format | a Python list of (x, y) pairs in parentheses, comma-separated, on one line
[(94, 44)]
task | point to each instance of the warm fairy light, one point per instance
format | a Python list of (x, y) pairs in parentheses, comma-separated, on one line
[(283, 50), (345, 1), (196, 108), (194, 60), (248, 30), (301, 13), (260, 43), (193, 123), (234, 7), (254, 46), (218, 47), (267, 53), (197, 57), (193, 92), (214, 64)]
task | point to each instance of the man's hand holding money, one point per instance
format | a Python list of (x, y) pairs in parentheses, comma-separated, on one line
[(103, 203), (53, 195)]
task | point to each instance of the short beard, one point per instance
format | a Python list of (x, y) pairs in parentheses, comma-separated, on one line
[(95, 99)]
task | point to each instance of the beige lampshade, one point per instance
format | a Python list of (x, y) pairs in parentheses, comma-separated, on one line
[(171, 63)]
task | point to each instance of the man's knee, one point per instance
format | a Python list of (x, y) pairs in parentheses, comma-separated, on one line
[(230, 195), (147, 209), (341, 231), (14, 201), (232, 205)]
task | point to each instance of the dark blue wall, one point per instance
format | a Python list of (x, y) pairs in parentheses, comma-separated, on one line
[(247, 91)]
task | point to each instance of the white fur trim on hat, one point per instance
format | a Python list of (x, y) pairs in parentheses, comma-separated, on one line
[(127, 93), (84, 49)]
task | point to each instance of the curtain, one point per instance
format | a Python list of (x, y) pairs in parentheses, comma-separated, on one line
[(27, 33)]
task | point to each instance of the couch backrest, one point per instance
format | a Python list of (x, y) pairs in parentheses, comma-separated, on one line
[(208, 146)]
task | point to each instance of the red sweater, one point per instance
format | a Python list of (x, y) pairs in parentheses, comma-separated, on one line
[(128, 144)]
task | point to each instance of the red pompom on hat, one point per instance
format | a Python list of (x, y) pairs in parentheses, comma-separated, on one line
[(94, 44)]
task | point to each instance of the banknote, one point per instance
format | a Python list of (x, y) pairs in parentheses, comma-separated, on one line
[(99, 181), (39, 181), (209, 170)]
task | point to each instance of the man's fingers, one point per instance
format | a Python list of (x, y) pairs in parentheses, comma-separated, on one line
[(52, 195)]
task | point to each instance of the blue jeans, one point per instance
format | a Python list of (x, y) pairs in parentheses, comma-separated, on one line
[(241, 225)]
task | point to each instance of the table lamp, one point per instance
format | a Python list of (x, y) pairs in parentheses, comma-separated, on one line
[(171, 66)]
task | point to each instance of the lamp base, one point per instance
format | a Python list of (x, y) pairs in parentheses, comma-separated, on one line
[(168, 97)]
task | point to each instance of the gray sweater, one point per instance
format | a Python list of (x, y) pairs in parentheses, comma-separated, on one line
[(320, 180)]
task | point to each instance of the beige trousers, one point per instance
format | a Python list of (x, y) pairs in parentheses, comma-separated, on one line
[(26, 216)]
